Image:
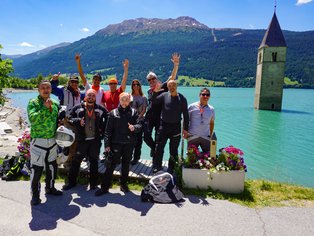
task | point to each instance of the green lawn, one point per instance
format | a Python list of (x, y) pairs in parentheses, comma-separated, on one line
[(198, 82), (290, 82), (262, 193)]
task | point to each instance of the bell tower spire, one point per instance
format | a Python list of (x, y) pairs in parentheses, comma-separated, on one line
[(270, 70)]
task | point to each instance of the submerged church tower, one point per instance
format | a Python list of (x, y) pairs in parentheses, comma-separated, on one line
[(271, 61)]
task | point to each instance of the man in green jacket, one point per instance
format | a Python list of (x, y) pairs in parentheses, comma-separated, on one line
[(43, 114)]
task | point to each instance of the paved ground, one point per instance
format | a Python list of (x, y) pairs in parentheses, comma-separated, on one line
[(78, 212)]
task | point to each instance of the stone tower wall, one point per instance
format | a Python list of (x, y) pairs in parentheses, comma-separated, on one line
[(270, 78)]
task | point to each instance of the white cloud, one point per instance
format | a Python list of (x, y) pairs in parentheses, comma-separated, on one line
[(42, 46), (251, 26), (85, 29), (302, 2), (25, 44), (61, 25)]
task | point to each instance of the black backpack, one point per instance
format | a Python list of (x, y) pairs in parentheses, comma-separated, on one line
[(6, 165), (161, 189)]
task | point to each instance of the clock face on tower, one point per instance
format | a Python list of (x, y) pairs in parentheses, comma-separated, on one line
[(272, 67)]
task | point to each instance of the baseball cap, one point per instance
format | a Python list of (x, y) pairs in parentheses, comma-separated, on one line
[(98, 76), (74, 77)]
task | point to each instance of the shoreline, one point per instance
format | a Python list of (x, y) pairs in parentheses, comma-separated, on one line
[(8, 141), (14, 90)]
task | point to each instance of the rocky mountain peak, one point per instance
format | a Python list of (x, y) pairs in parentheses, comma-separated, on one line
[(151, 24)]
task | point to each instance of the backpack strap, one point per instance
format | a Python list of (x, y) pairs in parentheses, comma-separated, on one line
[(151, 181)]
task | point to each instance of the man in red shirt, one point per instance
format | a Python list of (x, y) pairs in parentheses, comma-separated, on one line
[(111, 97)]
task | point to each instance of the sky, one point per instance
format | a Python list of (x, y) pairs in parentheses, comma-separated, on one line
[(27, 26)]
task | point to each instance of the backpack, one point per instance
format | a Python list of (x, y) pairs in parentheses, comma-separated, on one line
[(161, 189), (6, 165)]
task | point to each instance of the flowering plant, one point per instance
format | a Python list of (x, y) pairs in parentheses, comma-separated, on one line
[(198, 160), (229, 158), (24, 144)]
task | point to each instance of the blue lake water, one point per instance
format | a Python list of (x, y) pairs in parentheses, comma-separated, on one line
[(277, 145)]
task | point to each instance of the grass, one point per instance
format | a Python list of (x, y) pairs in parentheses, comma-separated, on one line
[(262, 193), (288, 81), (256, 194), (198, 82)]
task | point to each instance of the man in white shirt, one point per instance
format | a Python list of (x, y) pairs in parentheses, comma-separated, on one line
[(202, 121), (96, 81)]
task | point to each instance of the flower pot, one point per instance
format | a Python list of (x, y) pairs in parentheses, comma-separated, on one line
[(222, 181)]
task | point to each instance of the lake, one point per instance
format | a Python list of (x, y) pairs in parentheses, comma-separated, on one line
[(277, 145)]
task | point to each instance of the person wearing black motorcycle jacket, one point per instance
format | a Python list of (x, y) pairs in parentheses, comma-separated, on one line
[(120, 138)]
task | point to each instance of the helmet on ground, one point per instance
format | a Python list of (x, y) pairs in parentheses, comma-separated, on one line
[(64, 136)]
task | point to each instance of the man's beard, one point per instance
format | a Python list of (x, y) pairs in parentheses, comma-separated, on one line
[(89, 102)]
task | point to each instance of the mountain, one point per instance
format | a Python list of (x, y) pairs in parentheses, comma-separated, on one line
[(151, 25), (4, 56), (22, 60), (226, 54)]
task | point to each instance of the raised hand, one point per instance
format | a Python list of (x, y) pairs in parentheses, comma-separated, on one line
[(48, 104), (175, 58), (56, 76), (125, 64), (131, 127), (77, 57)]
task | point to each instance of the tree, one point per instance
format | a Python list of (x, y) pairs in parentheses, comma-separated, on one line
[(5, 69)]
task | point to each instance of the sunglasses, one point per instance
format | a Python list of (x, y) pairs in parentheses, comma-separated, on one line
[(74, 81), (136, 85), (112, 83), (205, 94), (151, 79)]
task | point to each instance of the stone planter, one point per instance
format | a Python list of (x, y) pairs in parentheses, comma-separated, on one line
[(223, 181)]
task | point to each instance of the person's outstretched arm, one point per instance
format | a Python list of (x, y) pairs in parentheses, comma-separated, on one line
[(54, 86), (80, 69), (125, 74), (176, 61)]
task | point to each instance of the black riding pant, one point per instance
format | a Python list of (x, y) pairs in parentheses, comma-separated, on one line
[(149, 125), (121, 153), (89, 149), (138, 145), (167, 131)]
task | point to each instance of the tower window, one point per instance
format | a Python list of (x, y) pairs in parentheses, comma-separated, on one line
[(260, 58), (274, 56), (272, 83), (273, 106)]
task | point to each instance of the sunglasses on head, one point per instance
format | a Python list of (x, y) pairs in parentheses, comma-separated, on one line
[(205, 94), (112, 83), (151, 79)]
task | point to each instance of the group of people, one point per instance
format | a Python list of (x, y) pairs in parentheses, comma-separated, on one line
[(120, 119)]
